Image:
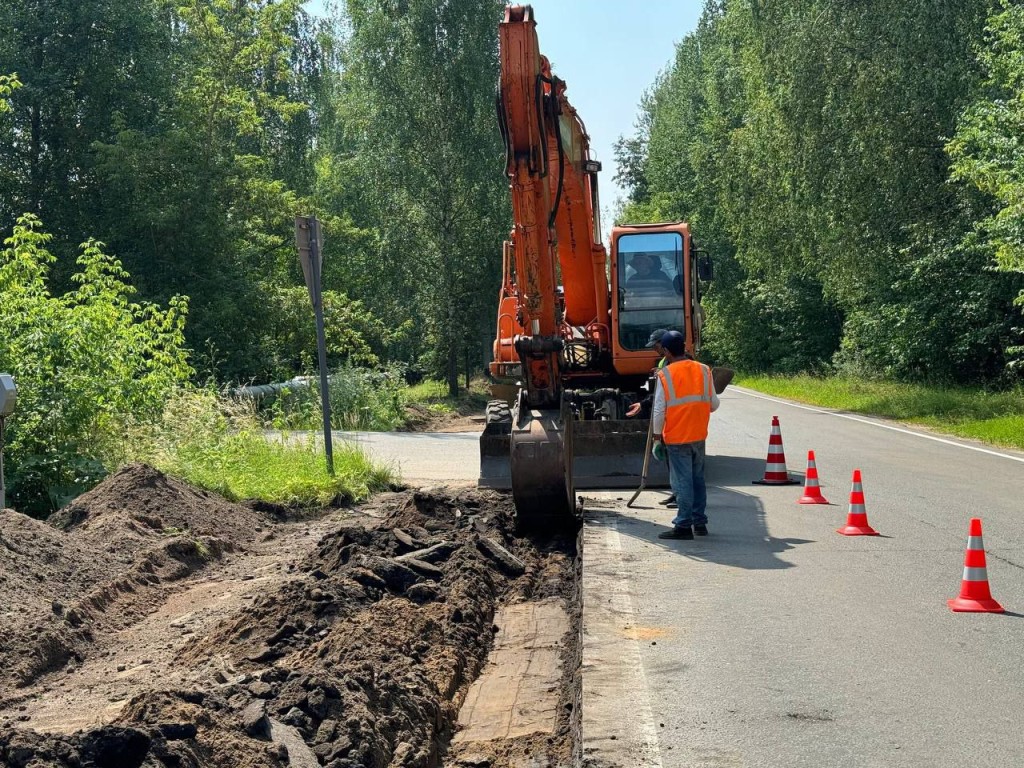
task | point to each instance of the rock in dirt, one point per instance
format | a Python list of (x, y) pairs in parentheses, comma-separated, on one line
[(254, 720), (299, 754), (432, 554), (508, 562), (425, 569), (405, 539)]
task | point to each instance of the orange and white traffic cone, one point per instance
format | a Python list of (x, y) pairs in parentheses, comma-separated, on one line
[(812, 491), (857, 518), (775, 472), (975, 596)]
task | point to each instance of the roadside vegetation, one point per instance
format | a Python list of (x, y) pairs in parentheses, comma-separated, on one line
[(103, 381), (430, 401), (220, 444), (853, 169), (993, 417), (373, 400)]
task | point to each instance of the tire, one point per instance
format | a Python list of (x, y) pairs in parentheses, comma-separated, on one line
[(498, 412)]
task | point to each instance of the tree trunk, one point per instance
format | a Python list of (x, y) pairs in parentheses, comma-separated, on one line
[(35, 180), (453, 370), (468, 373)]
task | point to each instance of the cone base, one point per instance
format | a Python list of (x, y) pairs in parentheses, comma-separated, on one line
[(967, 605), (812, 500), (787, 481), (857, 530)]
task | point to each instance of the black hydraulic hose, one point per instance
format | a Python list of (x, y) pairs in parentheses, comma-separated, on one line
[(553, 108), (561, 163), (538, 94), (499, 103)]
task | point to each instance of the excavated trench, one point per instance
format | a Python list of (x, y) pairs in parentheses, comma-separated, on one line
[(152, 624)]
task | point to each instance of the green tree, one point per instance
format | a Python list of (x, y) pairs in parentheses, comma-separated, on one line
[(201, 209), (986, 149), (419, 98), (90, 68), (804, 141)]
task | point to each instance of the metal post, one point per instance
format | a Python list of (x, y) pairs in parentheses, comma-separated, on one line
[(321, 342), (3, 489), (308, 240)]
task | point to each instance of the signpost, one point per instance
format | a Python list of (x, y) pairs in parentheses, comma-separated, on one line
[(8, 398), (310, 242)]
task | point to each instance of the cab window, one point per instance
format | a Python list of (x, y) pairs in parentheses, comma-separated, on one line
[(650, 286)]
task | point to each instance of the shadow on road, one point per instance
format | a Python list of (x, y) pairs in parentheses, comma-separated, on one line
[(737, 471), (739, 535)]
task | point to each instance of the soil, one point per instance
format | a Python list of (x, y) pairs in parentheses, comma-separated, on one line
[(153, 624), (420, 418)]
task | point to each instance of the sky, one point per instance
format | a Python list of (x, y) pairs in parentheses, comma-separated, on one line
[(608, 54)]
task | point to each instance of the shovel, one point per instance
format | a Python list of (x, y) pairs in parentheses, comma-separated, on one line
[(647, 459)]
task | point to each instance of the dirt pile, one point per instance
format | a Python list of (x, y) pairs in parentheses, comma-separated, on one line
[(99, 564), (126, 511), (358, 657)]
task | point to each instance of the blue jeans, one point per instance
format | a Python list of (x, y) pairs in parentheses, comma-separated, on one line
[(686, 474)]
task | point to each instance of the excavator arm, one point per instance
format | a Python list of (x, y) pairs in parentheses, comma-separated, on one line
[(524, 108), (541, 431)]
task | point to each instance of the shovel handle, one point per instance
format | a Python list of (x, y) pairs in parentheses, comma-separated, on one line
[(647, 459)]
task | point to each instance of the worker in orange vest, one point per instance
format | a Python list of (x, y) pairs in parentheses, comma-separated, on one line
[(683, 402)]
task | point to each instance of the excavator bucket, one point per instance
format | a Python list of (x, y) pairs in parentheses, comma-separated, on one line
[(496, 456), (610, 454), (606, 454)]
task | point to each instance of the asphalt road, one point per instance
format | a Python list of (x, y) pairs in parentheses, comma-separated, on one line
[(776, 641)]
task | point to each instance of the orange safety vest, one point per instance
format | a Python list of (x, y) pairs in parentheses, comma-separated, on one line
[(688, 387)]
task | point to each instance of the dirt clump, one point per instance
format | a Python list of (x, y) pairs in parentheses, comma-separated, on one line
[(356, 654)]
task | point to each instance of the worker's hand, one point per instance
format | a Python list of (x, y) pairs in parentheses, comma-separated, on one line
[(659, 450), (633, 410)]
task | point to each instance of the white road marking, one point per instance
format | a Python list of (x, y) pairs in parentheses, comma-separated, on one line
[(878, 424), (628, 693)]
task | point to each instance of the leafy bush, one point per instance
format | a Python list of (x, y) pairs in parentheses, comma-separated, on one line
[(288, 341), (85, 363)]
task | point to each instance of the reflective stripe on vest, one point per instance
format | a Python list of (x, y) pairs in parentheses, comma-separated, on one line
[(688, 388)]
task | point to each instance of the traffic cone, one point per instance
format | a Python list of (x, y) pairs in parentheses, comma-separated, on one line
[(975, 596), (812, 491), (857, 519), (775, 472)]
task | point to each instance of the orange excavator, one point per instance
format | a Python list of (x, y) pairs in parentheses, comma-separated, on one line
[(572, 358)]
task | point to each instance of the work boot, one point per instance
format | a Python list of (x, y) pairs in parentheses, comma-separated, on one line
[(669, 502), (678, 532), (700, 530)]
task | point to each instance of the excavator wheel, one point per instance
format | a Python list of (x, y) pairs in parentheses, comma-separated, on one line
[(498, 412)]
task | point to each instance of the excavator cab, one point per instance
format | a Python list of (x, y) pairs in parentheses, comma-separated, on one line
[(653, 285)]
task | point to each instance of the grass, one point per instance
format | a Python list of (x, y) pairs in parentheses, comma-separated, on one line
[(220, 445), (993, 417), (432, 396), (373, 401)]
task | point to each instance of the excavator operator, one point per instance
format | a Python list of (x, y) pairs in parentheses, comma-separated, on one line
[(648, 274)]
